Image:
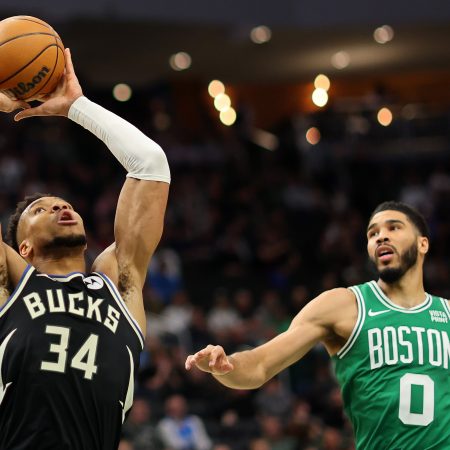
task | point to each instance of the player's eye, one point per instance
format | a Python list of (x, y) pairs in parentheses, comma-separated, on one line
[(39, 209)]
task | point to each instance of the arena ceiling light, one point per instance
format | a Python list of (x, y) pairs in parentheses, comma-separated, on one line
[(216, 87), (180, 61), (313, 136), (222, 102), (228, 117), (322, 82), (261, 34), (320, 97), (383, 34), (384, 117), (122, 92), (340, 60)]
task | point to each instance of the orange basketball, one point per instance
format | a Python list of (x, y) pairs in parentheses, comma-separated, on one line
[(31, 57)]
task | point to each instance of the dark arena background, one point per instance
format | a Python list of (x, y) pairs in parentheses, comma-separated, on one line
[(275, 171)]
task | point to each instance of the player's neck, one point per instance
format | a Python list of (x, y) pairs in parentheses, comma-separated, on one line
[(60, 265), (408, 291)]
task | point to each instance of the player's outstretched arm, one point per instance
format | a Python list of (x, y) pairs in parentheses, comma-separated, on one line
[(318, 321)]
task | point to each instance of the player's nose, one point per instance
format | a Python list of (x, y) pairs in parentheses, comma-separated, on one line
[(382, 237), (59, 205)]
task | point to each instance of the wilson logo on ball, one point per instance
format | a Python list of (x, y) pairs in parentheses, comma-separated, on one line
[(22, 88)]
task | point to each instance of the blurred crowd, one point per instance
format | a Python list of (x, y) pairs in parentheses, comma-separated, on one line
[(251, 235)]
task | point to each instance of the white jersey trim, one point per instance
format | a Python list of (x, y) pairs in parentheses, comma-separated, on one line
[(358, 325), (446, 306), (63, 278), (123, 306), (17, 291), (386, 301), (4, 387)]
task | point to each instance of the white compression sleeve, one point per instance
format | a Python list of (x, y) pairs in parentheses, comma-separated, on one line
[(142, 158)]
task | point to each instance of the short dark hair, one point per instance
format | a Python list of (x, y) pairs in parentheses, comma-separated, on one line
[(415, 217), (13, 223)]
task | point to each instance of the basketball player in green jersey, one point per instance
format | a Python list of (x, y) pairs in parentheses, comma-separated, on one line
[(388, 339)]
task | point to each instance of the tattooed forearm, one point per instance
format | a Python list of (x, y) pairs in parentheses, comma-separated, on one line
[(5, 291)]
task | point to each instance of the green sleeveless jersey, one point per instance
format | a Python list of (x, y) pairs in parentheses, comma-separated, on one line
[(394, 373)]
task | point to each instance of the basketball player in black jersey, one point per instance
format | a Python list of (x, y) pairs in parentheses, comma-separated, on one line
[(70, 338)]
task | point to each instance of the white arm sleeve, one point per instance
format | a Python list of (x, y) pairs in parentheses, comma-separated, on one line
[(139, 155)]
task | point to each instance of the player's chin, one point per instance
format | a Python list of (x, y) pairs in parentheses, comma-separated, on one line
[(387, 265), (65, 229), (63, 240), (69, 230)]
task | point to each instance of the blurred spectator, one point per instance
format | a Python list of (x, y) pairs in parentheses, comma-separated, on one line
[(273, 399), (181, 431), (260, 444), (272, 431), (198, 330), (234, 431), (176, 317), (165, 274), (332, 439), (125, 444), (222, 318)]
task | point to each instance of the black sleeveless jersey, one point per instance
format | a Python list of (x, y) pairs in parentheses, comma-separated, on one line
[(69, 350)]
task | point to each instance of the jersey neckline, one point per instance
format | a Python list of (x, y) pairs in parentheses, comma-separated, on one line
[(63, 276), (386, 301)]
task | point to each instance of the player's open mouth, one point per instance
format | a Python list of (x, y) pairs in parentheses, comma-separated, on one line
[(66, 218), (385, 253)]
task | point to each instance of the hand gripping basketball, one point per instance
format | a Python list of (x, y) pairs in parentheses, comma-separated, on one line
[(59, 101)]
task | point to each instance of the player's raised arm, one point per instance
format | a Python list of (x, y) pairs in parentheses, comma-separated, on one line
[(142, 203), (328, 318)]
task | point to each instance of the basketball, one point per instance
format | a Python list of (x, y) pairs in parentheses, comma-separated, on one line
[(31, 57)]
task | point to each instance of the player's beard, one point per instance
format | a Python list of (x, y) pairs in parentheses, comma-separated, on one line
[(408, 259), (65, 242)]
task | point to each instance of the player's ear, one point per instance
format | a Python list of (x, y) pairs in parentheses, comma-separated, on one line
[(25, 249), (423, 245)]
